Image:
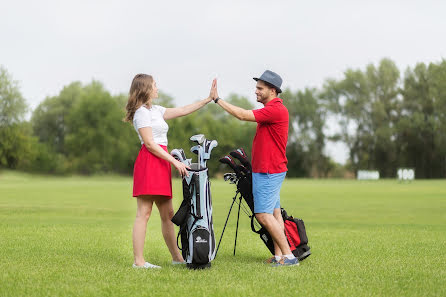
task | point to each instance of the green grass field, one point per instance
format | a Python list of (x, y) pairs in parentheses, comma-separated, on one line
[(71, 236)]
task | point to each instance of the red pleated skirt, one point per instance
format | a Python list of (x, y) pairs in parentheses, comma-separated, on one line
[(151, 175)]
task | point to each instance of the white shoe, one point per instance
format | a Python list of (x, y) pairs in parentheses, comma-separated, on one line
[(146, 265), (178, 262)]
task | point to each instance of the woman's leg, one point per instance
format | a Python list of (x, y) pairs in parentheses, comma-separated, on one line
[(166, 213), (143, 211)]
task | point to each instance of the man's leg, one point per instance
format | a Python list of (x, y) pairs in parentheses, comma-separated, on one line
[(275, 230), (278, 216)]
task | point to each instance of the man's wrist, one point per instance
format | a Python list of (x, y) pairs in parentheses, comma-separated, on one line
[(216, 99)]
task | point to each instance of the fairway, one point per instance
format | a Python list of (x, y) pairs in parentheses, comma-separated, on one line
[(71, 236)]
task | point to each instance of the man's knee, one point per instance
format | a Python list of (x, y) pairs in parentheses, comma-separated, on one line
[(263, 217)]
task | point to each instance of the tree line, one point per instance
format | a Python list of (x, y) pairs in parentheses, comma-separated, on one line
[(386, 119)]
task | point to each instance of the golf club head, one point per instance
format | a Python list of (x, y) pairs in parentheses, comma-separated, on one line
[(231, 177), (195, 149), (179, 155), (228, 160), (240, 155), (198, 149), (198, 139), (208, 146)]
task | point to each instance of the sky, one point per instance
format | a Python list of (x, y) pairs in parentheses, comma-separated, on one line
[(47, 44)]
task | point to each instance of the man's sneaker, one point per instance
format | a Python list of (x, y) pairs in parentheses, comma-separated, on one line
[(178, 262), (146, 265), (286, 262), (271, 260)]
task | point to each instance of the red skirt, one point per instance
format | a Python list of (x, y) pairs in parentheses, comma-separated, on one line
[(151, 175)]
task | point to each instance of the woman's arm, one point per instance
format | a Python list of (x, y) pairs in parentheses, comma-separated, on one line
[(176, 112), (154, 148)]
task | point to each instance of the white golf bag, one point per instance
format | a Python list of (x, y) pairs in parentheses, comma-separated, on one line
[(194, 217)]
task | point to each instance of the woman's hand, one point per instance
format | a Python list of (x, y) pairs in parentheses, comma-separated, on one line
[(182, 169)]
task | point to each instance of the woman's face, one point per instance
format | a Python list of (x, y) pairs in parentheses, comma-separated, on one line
[(154, 93)]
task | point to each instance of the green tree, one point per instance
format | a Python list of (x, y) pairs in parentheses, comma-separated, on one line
[(49, 119), (306, 142), (16, 149), (97, 139), (367, 106), (422, 125)]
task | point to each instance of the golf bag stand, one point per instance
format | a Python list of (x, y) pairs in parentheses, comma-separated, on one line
[(234, 199)]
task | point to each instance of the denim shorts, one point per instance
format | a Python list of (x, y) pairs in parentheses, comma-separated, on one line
[(266, 191)]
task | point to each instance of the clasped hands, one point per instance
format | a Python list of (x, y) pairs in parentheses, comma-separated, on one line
[(213, 94)]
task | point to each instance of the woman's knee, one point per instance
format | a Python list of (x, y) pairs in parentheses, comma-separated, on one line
[(144, 209), (166, 209)]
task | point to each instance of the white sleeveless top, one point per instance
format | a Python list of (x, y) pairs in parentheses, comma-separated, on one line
[(152, 117)]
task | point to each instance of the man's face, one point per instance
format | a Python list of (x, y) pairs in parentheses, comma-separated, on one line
[(263, 92)]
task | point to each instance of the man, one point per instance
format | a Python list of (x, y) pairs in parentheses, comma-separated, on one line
[(268, 159)]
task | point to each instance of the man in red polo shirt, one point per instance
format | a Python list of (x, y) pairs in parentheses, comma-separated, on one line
[(268, 159)]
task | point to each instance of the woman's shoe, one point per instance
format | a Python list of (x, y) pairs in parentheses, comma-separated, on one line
[(146, 265)]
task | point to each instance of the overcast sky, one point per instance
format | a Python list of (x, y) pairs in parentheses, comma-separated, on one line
[(48, 44)]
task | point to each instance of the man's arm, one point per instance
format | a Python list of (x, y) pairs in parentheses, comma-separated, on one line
[(238, 112)]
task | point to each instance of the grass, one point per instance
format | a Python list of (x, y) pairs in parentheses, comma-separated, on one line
[(71, 236)]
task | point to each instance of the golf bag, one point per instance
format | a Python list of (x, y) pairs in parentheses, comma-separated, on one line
[(194, 217), (294, 228)]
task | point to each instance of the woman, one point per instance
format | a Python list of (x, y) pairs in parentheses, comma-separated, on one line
[(152, 180)]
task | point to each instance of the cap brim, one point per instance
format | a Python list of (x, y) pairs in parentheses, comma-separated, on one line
[(278, 89)]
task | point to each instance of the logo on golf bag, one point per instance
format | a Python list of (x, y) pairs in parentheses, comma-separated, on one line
[(200, 240)]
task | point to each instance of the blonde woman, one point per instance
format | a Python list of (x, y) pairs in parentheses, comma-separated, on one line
[(152, 180)]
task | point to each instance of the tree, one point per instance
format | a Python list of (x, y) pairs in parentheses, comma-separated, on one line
[(12, 104), (306, 142), (97, 139), (422, 125), (367, 106), (15, 136), (49, 119)]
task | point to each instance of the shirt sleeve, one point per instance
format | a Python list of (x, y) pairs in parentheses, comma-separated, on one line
[(268, 114), (142, 118), (161, 109)]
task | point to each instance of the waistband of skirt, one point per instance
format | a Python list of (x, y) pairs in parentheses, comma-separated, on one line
[(161, 145)]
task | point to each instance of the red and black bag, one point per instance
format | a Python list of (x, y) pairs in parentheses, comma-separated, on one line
[(296, 235)]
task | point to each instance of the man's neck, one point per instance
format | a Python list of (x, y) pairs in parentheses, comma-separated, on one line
[(268, 100)]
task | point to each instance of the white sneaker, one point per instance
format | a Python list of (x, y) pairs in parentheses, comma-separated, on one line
[(178, 262), (146, 265)]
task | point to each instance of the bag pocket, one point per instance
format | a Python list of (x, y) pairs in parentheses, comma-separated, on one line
[(200, 246)]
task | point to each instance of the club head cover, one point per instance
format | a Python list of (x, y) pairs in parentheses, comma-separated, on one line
[(243, 169), (199, 138), (228, 160), (178, 154), (208, 146), (195, 149), (240, 155)]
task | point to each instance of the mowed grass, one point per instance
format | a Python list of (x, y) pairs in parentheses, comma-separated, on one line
[(71, 236)]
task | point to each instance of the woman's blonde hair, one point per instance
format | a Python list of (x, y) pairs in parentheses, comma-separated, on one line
[(139, 94)]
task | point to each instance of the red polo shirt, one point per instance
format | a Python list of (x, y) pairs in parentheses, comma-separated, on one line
[(269, 145)]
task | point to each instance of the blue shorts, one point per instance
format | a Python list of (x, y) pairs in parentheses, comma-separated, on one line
[(266, 191)]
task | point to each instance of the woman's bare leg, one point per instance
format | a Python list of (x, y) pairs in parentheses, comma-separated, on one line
[(166, 213), (143, 211)]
